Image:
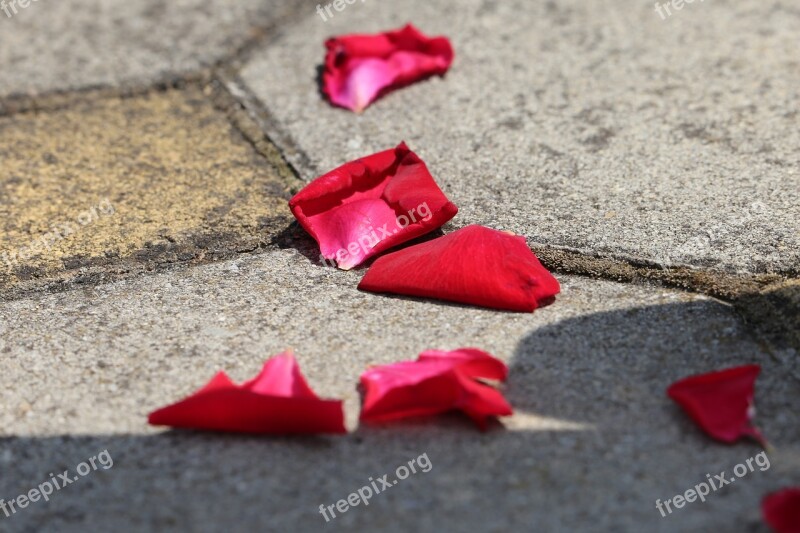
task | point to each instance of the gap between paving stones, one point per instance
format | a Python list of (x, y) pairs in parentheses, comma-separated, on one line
[(726, 286), (249, 117), (769, 303), (222, 86), (255, 125), (58, 99)]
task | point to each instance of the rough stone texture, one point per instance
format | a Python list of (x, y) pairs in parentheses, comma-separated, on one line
[(593, 444), (592, 126), (106, 187), (75, 44)]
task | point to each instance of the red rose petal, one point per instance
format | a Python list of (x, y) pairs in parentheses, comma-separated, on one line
[(435, 383), (781, 510), (474, 265), (277, 401), (361, 68), (370, 205), (721, 402)]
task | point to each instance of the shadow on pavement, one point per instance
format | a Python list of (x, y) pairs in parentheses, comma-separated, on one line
[(596, 443)]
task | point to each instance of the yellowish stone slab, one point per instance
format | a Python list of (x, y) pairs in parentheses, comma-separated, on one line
[(114, 186)]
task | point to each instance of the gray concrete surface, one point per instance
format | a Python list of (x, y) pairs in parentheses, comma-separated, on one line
[(593, 444), (77, 44), (594, 126)]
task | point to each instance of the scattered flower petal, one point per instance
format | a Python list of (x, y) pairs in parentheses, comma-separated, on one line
[(277, 401), (435, 383), (474, 265), (781, 510), (721, 402), (370, 205), (361, 68)]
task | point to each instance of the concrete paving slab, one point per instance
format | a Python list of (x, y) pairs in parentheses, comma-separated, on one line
[(594, 442), (590, 126), (122, 185), (78, 44)]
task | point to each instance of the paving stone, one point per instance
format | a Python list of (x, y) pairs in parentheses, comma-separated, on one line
[(588, 126), (78, 44), (117, 186), (594, 442)]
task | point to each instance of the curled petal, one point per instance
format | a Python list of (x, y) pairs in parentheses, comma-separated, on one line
[(277, 401), (435, 383), (370, 205), (361, 68)]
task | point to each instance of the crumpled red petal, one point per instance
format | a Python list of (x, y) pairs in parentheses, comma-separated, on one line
[(361, 68), (474, 265), (437, 382), (277, 401), (781, 510), (721, 402), (370, 205)]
